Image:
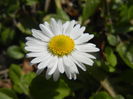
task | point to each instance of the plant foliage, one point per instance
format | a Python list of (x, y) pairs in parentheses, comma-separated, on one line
[(111, 77)]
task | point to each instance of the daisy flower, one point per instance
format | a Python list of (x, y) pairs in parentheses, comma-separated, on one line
[(60, 48)]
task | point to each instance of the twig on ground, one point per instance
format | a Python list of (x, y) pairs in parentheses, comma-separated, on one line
[(106, 85), (3, 71), (47, 3)]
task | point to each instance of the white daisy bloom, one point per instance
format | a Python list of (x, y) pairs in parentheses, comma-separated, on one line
[(61, 48)]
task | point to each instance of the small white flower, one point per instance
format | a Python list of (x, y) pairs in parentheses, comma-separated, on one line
[(60, 48)]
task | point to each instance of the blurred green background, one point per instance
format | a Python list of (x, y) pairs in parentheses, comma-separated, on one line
[(111, 77)]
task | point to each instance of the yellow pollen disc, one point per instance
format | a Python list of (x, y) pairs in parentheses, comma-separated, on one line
[(61, 45)]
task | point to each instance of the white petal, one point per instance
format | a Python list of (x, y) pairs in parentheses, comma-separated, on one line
[(70, 64), (67, 71), (60, 26), (34, 40), (73, 66), (56, 27), (52, 70), (82, 59), (65, 26), (34, 43), (35, 49), (80, 65), (77, 31), (29, 38), (46, 30), (45, 62), (48, 76), (56, 75), (74, 76), (39, 59), (83, 38), (39, 35), (47, 25), (87, 48), (70, 27), (34, 54), (39, 71), (53, 61), (60, 65), (85, 54)]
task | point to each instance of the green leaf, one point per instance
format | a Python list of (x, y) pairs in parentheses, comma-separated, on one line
[(10, 6), (21, 81), (4, 96), (112, 40), (62, 15), (15, 52), (119, 97), (60, 11), (89, 9), (129, 97), (25, 81), (56, 16), (110, 68), (101, 95), (48, 89), (15, 72), (63, 90), (31, 2), (23, 29), (95, 71), (124, 77), (130, 13), (126, 12), (41, 88), (6, 35), (125, 51), (8, 92), (110, 56), (22, 86), (49, 16)]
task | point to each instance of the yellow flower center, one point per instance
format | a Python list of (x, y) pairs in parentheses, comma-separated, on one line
[(61, 45)]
